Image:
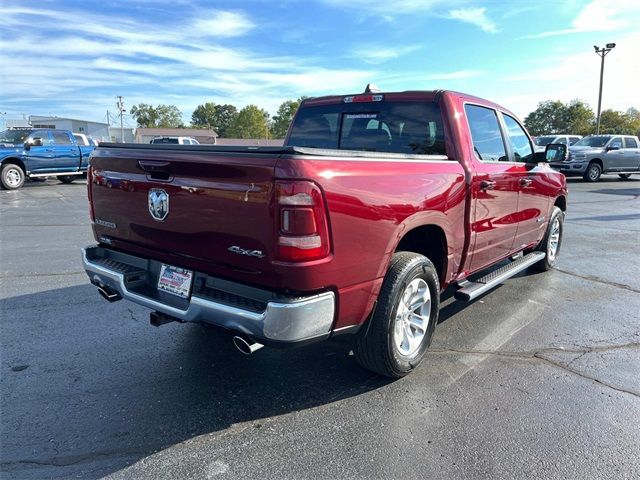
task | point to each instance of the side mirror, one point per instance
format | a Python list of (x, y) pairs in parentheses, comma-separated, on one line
[(612, 148), (555, 152)]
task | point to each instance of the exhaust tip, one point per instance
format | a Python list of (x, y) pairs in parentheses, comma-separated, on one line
[(109, 295), (246, 345)]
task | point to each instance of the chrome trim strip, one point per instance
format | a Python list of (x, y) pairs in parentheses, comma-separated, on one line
[(293, 321), (55, 174)]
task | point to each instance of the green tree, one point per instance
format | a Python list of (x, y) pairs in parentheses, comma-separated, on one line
[(281, 120), (251, 122), (579, 118), (218, 117), (162, 116), (548, 118), (627, 123)]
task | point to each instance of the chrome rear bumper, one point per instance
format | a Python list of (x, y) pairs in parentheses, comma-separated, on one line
[(279, 319)]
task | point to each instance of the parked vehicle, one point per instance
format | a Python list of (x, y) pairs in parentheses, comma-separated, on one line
[(35, 153), (597, 154), (175, 140), (542, 141), (83, 140), (376, 203)]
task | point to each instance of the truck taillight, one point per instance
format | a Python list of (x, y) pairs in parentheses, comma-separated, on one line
[(92, 214), (303, 232)]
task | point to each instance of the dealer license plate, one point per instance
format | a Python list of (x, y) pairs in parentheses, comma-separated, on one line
[(176, 281)]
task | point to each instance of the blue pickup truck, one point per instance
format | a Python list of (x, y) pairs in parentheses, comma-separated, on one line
[(32, 153)]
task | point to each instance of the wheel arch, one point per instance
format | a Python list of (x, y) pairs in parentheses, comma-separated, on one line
[(15, 161), (599, 162), (431, 241), (561, 203)]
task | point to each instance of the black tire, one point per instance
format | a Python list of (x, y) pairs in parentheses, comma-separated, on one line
[(66, 178), (11, 176), (592, 173), (546, 245), (624, 176), (375, 346)]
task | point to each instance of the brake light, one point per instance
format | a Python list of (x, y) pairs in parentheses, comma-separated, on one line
[(92, 214), (363, 98), (303, 233)]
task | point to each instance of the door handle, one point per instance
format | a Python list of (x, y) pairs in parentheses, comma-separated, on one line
[(525, 182), (151, 166), (157, 170), (487, 185)]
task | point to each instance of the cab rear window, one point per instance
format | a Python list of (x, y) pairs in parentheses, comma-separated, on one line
[(395, 127)]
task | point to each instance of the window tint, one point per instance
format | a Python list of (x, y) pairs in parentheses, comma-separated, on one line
[(61, 138), (165, 140), (43, 134), (573, 140), (631, 142), (485, 133), (79, 139), (544, 141), (520, 143), (397, 127), (616, 143)]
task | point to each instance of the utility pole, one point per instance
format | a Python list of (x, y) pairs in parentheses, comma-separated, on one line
[(120, 105), (601, 52)]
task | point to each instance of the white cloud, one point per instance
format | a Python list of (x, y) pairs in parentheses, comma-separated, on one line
[(391, 9), (599, 16), (376, 54), (224, 24), (475, 16)]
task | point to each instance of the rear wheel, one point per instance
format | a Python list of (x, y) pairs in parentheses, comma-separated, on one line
[(66, 178), (399, 331), (593, 172), (624, 176), (11, 176)]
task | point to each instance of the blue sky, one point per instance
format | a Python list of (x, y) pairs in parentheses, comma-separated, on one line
[(71, 58)]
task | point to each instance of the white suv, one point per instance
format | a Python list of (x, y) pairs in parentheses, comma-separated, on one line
[(542, 141), (175, 140)]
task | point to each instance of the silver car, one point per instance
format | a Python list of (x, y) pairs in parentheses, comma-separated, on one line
[(597, 154)]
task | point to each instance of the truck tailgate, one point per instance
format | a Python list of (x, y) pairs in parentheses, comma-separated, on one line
[(204, 205)]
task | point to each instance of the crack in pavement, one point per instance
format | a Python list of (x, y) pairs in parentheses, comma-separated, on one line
[(537, 354), (76, 459), (28, 275), (598, 280), (609, 227)]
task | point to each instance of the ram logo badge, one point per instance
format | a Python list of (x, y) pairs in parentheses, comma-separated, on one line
[(248, 253), (158, 204)]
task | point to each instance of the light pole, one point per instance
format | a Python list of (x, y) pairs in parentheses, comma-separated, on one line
[(120, 105), (602, 52)]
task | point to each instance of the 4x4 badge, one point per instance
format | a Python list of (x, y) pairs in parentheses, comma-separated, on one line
[(158, 204)]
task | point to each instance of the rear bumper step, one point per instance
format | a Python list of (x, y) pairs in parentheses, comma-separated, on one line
[(472, 290), (277, 319)]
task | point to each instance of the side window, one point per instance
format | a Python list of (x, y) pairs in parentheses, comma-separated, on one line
[(43, 134), (616, 143), (522, 149), (485, 133), (61, 138), (631, 142), (573, 140), (562, 140)]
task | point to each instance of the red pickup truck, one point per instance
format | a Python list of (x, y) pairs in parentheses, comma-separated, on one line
[(374, 205)]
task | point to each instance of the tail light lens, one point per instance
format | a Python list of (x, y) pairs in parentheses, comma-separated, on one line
[(90, 193), (303, 233)]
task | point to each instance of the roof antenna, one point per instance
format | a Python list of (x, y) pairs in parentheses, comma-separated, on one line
[(372, 88)]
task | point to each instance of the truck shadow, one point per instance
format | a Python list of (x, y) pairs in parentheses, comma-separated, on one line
[(91, 387)]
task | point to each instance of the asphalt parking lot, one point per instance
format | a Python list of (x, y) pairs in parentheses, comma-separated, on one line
[(537, 379)]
